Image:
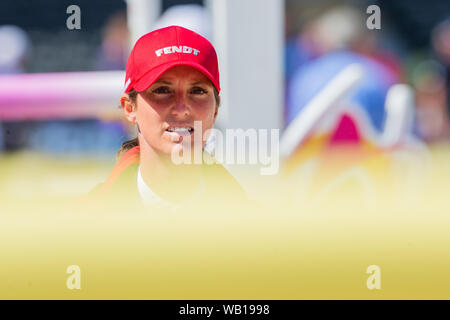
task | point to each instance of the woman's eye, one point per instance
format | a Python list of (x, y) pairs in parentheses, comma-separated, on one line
[(161, 90), (198, 90)]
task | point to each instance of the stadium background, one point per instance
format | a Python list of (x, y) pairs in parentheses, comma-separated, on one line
[(91, 144), (53, 157)]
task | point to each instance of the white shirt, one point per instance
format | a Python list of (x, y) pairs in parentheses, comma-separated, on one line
[(152, 199)]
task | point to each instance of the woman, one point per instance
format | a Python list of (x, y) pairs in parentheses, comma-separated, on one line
[(172, 81)]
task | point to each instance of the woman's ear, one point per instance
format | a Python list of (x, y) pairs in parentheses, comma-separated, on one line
[(217, 107), (128, 107), (215, 113)]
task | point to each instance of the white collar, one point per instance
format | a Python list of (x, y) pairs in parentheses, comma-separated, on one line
[(152, 199)]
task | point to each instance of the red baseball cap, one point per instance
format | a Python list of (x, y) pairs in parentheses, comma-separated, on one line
[(158, 51)]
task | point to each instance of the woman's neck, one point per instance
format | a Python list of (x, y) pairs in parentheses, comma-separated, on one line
[(174, 183)]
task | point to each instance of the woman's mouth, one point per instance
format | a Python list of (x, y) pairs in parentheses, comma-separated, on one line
[(182, 131)]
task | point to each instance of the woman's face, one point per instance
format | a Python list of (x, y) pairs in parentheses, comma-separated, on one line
[(166, 111)]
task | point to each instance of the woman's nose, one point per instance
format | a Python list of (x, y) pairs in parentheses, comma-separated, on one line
[(180, 108)]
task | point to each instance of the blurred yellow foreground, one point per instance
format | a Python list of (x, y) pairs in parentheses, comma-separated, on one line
[(297, 244)]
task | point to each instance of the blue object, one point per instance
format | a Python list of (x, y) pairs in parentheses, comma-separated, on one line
[(314, 76)]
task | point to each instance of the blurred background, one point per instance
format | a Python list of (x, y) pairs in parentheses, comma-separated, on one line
[(61, 127)]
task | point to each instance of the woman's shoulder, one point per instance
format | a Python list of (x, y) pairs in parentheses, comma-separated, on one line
[(220, 184), (123, 175)]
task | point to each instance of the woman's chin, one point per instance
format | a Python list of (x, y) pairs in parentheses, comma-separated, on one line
[(181, 152)]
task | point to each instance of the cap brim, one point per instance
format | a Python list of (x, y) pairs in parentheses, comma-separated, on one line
[(149, 78)]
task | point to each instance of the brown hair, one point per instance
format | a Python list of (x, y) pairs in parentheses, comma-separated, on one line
[(129, 144)]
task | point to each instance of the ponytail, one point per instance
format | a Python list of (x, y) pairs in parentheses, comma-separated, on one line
[(127, 145)]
